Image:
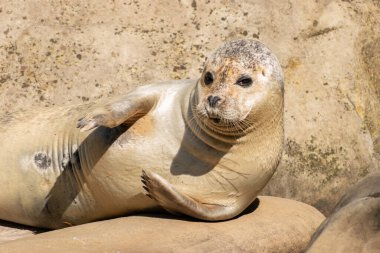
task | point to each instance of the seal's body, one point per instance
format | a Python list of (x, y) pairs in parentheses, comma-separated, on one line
[(203, 148)]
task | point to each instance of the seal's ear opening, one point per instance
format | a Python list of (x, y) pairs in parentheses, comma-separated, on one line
[(261, 70), (264, 72)]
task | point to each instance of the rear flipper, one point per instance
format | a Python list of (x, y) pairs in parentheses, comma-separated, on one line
[(178, 203)]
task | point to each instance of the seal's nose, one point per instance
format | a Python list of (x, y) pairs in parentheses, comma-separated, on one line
[(213, 100)]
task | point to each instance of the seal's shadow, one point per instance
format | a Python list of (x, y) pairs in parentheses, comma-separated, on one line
[(195, 157), (165, 215), (76, 167)]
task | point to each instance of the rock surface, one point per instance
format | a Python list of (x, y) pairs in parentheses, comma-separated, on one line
[(73, 51), (10, 231), (354, 225), (269, 225)]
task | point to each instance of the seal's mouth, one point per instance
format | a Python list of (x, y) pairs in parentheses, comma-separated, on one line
[(212, 116), (216, 120)]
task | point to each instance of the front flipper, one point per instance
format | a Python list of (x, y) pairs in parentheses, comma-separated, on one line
[(128, 108), (98, 117), (176, 202)]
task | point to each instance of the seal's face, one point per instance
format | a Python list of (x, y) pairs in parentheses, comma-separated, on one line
[(228, 91), (242, 78), (241, 84)]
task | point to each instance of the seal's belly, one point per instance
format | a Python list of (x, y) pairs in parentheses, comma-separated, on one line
[(147, 145), (167, 148)]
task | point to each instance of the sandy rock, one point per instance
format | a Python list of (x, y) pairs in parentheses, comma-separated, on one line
[(354, 226), (69, 52), (11, 231), (269, 225)]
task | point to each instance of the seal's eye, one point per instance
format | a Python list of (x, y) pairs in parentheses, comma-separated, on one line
[(208, 78), (244, 81)]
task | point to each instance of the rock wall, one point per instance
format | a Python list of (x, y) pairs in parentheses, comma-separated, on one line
[(55, 53)]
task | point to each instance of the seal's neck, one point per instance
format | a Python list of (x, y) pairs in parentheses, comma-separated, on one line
[(222, 135)]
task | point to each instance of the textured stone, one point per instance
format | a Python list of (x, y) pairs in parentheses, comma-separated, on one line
[(354, 226), (269, 225)]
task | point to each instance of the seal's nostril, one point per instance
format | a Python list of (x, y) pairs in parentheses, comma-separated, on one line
[(213, 100)]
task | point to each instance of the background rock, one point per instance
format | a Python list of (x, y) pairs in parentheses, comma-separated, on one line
[(269, 228), (354, 226), (54, 53)]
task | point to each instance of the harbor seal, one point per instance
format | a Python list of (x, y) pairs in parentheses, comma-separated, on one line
[(203, 148)]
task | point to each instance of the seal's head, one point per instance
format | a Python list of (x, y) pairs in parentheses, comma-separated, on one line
[(241, 81)]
